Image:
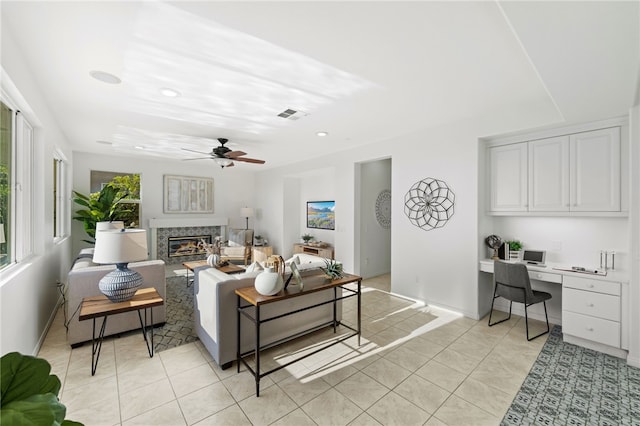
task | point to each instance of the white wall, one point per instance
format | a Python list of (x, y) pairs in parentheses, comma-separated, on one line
[(233, 187), (28, 292), (374, 241)]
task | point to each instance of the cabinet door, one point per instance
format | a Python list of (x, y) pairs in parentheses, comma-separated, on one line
[(549, 174), (508, 168), (595, 170)]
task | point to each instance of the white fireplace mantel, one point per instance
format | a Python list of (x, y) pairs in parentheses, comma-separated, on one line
[(182, 222)]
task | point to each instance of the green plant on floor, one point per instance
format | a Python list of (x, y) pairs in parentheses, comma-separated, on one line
[(28, 393), (307, 237), (514, 245), (100, 207), (332, 269)]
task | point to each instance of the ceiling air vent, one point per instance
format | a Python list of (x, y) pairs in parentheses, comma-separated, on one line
[(292, 114)]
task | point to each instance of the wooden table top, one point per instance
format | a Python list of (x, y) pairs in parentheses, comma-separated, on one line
[(312, 283), (230, 268), (99, 306)]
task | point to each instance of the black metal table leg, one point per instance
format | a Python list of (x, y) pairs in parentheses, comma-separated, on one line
[(97, 346), (359, 310), (257, 351), (335, 302), (238, 333), (144, 328)]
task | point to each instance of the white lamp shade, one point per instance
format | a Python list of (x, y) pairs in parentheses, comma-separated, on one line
[(121, 246), (246, 212), (105, 226)]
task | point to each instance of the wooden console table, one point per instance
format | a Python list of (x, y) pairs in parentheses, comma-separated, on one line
[(326, 252), (312, 284), (99, 306)]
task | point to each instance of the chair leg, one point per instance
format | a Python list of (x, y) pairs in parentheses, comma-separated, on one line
[(526, 319), (491, 312)]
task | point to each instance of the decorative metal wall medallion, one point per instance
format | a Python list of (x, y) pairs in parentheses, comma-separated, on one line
[(429, 204), (383, 209)]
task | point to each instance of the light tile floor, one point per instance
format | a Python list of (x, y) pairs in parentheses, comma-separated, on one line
[(416, 365)]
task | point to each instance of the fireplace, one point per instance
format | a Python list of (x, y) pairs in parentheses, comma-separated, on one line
[(186, 245)]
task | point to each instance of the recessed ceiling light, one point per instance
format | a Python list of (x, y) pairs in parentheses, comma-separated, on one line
[(170, 93), (105, 142), (139, 147), (322, 133), (105, 77)]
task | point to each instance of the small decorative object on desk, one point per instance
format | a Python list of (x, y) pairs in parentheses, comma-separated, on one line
[(494, 242), (259, 240), (332, 269), (514, 249)]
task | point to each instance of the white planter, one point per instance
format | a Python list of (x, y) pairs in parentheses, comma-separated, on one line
[(514, 255)]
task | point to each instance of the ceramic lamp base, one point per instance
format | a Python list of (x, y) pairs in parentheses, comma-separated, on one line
[(120, 285)]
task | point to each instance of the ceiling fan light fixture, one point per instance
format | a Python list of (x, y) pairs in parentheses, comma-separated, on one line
[(223, 162)]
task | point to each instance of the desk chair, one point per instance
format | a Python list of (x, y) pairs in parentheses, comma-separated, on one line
[(511, 281)]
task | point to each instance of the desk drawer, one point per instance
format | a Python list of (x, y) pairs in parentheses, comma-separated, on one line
[(590, 328), (545, 276), (597, 305), (606, 287)]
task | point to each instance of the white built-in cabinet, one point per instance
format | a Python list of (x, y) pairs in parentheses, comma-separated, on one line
[(578, 172), (508, 169)]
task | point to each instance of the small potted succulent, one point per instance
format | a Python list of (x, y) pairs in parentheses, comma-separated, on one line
[(332, 269), (259, 240), (306, 238)]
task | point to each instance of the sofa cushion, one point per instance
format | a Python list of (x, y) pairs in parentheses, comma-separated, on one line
[(240, 237), (255, 266)]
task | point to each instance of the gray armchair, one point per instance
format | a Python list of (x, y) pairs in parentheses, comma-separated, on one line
[(239, 246)]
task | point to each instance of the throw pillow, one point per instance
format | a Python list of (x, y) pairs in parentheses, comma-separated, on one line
[(255, 266)]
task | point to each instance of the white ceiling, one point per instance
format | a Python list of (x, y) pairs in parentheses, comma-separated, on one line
[(362, 71)]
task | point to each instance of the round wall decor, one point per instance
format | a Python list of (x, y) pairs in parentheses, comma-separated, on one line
[(383, 209), (429, 204)]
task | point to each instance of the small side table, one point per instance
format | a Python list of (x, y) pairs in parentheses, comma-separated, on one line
[(99, 306)]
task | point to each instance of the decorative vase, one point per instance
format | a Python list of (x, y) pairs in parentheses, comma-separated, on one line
[(269, 282), (213, 260)]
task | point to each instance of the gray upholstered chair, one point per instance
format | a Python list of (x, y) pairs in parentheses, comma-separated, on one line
[(511, 281), (239, 246)]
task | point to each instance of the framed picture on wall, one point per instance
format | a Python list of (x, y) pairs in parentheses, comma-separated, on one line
[(186, 194), (321, 214)]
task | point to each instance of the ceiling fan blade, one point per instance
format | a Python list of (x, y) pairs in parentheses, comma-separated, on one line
[(199, 158), (249, 160), (234, 154), (199, 152)]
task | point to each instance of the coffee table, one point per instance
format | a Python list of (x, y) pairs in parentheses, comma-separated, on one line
[(230, 268)]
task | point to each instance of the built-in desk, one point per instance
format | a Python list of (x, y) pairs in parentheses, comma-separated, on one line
[(594, 309)]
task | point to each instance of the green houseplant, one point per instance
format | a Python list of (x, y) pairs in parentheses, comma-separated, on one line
[(333, 269), (514, 249), (28, 393), (306, 238), (100, 207)]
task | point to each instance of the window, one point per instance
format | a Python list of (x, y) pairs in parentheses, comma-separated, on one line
[(60, 203), (17, 213)]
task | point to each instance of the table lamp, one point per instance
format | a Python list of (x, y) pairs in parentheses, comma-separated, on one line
[(246, 212), (120, 247)]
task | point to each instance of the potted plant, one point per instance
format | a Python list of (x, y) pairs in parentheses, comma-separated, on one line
[(29, 393), (332, 269), (306, 238), (258, 239), (514, 249), (100, 207)]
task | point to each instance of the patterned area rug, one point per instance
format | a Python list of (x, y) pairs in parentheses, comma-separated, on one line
[(178, 329), (571, 385)]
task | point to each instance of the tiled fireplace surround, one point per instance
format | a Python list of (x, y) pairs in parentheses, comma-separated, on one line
[(162, 229)]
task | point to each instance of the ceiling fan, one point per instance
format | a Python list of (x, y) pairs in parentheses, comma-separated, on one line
[(223, 156)]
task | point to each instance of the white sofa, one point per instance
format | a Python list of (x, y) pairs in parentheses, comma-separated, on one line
[(215, 312), (82, 281)]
